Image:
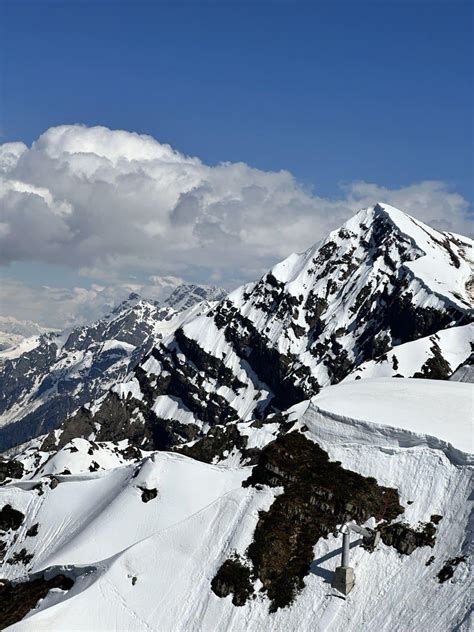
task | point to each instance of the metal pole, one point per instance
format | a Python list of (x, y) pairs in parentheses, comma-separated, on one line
[(346, 540)]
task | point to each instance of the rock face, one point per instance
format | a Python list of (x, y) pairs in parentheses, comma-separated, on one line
[(381, 282), (10, 518), (41, 387), (405, 539), (18, 598), (318, 495)]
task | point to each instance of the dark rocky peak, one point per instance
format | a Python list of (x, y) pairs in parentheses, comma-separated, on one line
[(43, 386), (188, 294), (380, 280)]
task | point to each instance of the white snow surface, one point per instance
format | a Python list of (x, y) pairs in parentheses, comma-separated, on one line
[(148, 566), (442, 409), (405, 360)]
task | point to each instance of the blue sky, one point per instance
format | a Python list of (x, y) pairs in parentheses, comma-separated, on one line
[(332, 92)]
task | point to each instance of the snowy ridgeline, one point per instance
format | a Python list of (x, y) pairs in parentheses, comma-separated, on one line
[(383, 296), (45, 378), (143, 534), (201, 485)]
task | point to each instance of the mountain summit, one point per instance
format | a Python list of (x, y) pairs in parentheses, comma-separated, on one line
[(377, 284), (47, 377)]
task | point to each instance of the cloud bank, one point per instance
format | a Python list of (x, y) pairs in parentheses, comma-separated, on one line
[(103, 200), (115, 205), (62, 307)]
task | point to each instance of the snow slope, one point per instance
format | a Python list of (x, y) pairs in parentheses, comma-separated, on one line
[(421, 357), (441, 409), (148, 566)]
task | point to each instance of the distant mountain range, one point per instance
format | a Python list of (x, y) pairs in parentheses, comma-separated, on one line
[(47, 377), (13, 331)]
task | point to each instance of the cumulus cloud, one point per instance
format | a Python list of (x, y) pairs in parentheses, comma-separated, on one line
[(98, 199), (93, 197)]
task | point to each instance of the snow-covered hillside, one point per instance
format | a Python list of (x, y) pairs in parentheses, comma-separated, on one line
[(384, 295), (14, 331), (47, 377), (143, 535), (217, 452), (437, 356)]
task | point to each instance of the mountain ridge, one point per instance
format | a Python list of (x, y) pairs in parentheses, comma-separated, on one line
[(230, 456), (49, 376), (311, 321)]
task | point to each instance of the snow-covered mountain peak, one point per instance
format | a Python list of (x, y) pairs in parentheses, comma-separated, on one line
[(376, 250), (383, 282), (232, 444), (49, 376)]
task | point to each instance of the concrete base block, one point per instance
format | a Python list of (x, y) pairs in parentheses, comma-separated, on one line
[(344, 579)]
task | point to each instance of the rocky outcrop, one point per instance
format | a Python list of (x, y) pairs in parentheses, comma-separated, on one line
[(18, 598), (233, 578), (405, 539), (318, 495), (10, 518)]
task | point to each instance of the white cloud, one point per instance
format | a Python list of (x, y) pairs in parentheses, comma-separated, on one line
[(115, 202), (61, 307)]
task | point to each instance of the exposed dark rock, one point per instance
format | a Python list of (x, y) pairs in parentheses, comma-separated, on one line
[(131, 453), (20, 557), (33, 530), (10, 518), (436, 367), (219, 441), (206, 362), (405, 539), (318, 495), (117, 420), (182, 381), (18, 598), (233, 577), (10, 469), (148, 494), (408, 322), (448, 569), (290, 381)]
